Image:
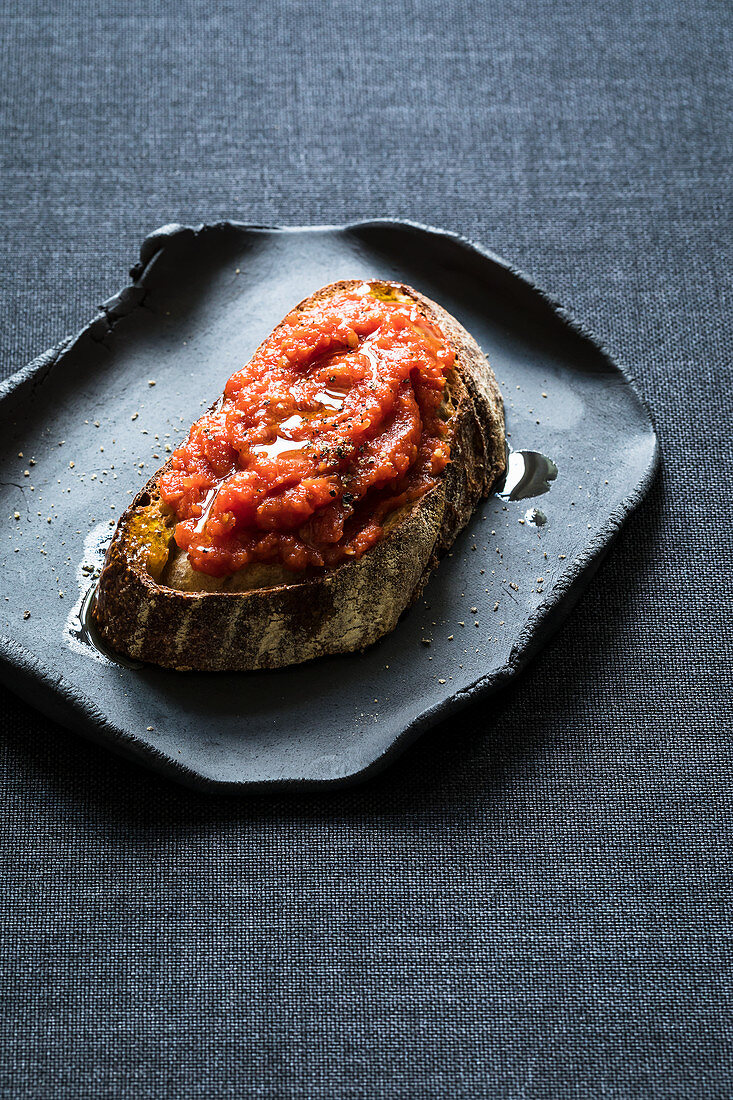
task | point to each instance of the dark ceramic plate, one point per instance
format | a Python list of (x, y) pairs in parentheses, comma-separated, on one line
[(92, 428)]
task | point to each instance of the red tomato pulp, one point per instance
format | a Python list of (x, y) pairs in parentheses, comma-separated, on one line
[(333, 423)]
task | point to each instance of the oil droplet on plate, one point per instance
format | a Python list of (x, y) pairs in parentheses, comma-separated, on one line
[(87, 634), (528, 474), (536, 517), (80, 631)]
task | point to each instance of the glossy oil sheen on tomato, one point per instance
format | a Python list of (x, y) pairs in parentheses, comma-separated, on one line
[(333, 424)]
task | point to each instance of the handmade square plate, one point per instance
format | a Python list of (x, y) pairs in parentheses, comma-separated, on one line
[(83, 426)]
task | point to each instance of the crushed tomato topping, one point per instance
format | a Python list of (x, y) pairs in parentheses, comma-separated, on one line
[(333, 424)]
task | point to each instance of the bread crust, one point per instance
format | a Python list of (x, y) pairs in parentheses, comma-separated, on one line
[(336, 611)]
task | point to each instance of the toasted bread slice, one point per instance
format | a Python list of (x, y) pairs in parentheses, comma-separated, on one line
[(153, 606)]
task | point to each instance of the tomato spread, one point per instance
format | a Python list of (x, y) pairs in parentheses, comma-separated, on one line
[(334, 423)]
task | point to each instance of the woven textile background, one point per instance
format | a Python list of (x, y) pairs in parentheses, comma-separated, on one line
[(536, 900)]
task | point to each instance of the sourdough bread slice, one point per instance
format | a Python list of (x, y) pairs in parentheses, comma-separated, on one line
[(153, 606)]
